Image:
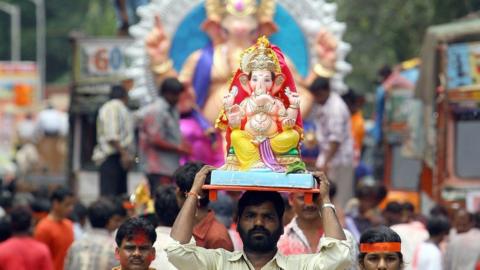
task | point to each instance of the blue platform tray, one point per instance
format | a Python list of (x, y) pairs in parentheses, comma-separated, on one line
[(262, 178)]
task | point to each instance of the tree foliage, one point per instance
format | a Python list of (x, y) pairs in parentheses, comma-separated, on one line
[(381, 32), (388, 32), (92, 17)]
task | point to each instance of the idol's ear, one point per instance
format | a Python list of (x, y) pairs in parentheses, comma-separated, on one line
[(243, 79), (267, 28), (213, 30), (277, 84)]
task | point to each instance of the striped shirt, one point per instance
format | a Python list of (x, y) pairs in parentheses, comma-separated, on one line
[(114, 123), (332, 122), (96, 250)]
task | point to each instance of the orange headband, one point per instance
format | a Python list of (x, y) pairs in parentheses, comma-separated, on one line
[(380, 247)]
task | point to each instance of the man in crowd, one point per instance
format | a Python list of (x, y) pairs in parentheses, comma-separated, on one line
[(464, 248), (115, 140), (56, 230), (392, 214), (26, 129), (21, 251), (160, 137), (126, 14), (333, 132), (94, 249), (354, 103), (135, 250), (428, 256), (303, 234), (412, 232), (260, 226), (363, 212), (167, 209), (52, 127), (208, 231)]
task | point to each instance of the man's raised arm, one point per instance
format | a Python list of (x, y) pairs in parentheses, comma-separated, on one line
[(331, 225)]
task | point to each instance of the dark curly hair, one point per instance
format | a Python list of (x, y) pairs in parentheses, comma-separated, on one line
[(132, 226), (100, 212), (250, 198), (166, 206), (184, 177)]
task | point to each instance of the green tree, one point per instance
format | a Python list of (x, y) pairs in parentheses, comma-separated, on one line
[(92, 17), (388, 32)]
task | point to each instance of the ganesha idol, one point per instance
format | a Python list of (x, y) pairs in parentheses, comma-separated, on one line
[(205, 61), (262, 118)]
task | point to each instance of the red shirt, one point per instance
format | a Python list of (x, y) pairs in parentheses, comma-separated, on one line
[(211, 234), (24, 253), (58, 236)]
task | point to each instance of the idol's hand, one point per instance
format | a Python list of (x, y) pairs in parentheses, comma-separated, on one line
[(326, 47), (288, 123), (234, 116), (157, 43), (293, 98), (230, 98)]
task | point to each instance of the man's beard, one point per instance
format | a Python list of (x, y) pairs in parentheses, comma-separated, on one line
[(264, 242)]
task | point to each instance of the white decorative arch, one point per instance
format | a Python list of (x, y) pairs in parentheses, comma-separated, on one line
[(311, 15)]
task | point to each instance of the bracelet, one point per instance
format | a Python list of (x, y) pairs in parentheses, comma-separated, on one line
[(329, 205), (321, 71), (163, 67), (193, 193)]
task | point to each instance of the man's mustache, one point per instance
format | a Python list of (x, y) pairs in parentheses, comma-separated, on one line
[(258, 229), (310, 208)]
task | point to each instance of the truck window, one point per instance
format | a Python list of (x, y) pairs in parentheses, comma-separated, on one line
[(467, 147)]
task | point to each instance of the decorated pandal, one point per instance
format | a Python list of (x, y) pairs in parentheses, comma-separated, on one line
[(263, 124)]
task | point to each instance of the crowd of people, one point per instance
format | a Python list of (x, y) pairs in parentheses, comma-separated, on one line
[(264, 230), (344, 228), (38, 140)]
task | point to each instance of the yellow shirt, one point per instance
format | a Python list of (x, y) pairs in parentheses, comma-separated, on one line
[(334, 254)]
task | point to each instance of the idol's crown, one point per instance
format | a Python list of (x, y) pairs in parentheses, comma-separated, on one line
[(260, 57)]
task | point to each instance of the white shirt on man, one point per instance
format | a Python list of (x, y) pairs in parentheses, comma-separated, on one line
[(114, 123), (332, 123), (427, 256)]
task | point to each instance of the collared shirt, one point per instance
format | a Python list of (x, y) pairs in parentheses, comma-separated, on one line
[(161, 122), (293, 241), (163, 239), (210, 233), (412, 234), (427, 256), (463, 250), (332, 123), (334, 255), (114, 123), (94, 251)]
